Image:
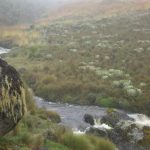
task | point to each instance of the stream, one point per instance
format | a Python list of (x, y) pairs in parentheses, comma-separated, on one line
[(4, 50), (72, 115)]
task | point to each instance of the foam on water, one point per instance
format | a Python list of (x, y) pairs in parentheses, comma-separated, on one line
[(4, 51), (140, 119), (78, 132), (97, 124), (102, 126)]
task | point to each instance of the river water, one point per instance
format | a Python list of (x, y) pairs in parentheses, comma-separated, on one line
[(72, 115), (4, 50)]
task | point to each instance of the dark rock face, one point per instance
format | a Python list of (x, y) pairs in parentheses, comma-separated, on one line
[(89, 119), (114, 117), (12, 98), (125, 133)]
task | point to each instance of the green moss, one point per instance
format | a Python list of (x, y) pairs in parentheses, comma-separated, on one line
[(110, 110), (9, 102), (54, 146), (51, 115), (7, 144), (81, 142), (105, 102), (25, 148), (146, 140), (75, 142)]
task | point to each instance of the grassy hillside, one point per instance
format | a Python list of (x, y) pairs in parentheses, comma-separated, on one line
[(102, 61), (97, 8)]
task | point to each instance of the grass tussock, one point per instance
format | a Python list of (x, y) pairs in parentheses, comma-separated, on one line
[(76, 142)]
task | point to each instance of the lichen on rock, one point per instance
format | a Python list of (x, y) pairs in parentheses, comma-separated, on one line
[(12, 98)]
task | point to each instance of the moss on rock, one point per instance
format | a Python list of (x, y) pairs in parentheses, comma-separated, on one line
[(12, 98)]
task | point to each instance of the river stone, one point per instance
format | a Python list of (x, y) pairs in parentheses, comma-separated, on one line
[(130, 131), (12, 98), (89, 119), (112, 118)]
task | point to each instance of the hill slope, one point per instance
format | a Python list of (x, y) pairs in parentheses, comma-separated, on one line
[(98, 8), (13, 12), (100, 61)]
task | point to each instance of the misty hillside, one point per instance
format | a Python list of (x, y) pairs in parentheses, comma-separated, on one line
[(24, 11), (20, 11), (97, 8)]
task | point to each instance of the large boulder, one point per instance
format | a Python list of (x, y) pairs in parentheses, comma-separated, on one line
[(129, 131), (127, 135), (113, 117), (124, 132), (12, 98), (89, 119)]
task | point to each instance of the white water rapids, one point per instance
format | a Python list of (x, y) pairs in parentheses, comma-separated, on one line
[(140, 119), (4, 50)]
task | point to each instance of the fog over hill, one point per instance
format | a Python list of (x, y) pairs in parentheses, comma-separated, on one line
[(24, 11), (27, 11)]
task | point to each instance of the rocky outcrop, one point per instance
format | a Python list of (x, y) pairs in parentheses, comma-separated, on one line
[(115, 116), (125, 132), (12, 98)]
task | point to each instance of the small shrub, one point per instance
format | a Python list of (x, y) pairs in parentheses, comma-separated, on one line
[(16, 130), (25, 148), (110, 110), (68, 98), (101, 144), (53, 116), (124, 104), (105, 102), (26, 138), (56, 134), (29, 100), (75, 142), (91, 98), (104, 145), (30, 121), (38, 142), (54, 146)]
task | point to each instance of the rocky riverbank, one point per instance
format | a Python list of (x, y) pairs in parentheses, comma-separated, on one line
[(126, 131)]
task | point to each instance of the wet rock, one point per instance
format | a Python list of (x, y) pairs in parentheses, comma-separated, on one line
[(97, 132), (112, 118), (126, 133), (89, 119), (12, 98), (129, 131), (127, 136)]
